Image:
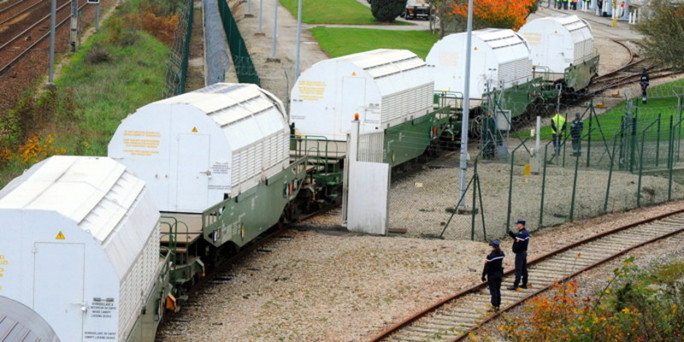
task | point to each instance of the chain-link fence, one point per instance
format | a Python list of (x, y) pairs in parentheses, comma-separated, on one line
[(177, 71), (616, 162), (244, 67)]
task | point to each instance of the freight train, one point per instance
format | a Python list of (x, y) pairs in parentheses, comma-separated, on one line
[(100, 248), (517, 73)]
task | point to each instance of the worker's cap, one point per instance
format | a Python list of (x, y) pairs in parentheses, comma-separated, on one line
[(577, 114), (495, 243), (520, 221)]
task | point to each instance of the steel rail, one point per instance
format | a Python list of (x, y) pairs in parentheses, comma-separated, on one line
[(20, 12), (612, 83), (220, 273), (481, 320), (37, 41), (38, 22), (10, 6)]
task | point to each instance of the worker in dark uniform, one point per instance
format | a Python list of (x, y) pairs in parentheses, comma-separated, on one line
[(493, 273), (520, 249), (558, 127), (576, 132), (644, 81)]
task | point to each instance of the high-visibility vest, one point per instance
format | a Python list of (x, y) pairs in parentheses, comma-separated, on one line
[(558, 122)]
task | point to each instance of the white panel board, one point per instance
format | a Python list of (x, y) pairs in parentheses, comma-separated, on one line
[(60, 266), (193, 172), (368, 198)]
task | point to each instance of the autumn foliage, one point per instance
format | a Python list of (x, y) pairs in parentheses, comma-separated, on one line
[(33, 150), (496, 13), (634, 306), (162, 27)]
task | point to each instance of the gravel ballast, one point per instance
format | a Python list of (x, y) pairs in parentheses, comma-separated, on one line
[(324, 284)]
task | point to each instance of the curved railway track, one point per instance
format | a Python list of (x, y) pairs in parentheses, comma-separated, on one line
[(454, 318), (20, 45), (629, 73)]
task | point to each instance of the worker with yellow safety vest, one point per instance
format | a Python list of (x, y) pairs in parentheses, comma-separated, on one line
[(558, 127)]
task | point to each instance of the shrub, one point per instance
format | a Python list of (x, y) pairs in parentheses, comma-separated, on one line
[(634, 306), (387, 10), (97, 55)]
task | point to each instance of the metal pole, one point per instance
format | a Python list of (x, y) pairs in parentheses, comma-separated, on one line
[(51, 64), (670, 164), (261, 12), (510, 191), (574, 190), (592, 116), (299, 38), (610, 175), (541, 205), (537, 146), (275, 28), (466, 106), (474, 213), (479, 190), (658, 141), (73, 34)]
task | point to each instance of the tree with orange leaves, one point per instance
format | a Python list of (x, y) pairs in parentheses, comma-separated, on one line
[(496, 13)]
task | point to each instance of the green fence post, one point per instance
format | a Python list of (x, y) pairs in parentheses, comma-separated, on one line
[(574, 189), (543, 187), (610, 173), (441, 235), (592, 114), (641, 162), (679, 136), (670, 163), (510, 184), (474, 212), (510, 190), (479, 190), (634, 141), (658, 141)]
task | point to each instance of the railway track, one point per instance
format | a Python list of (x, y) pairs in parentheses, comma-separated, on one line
[(22, 43), (454, 318), (629, 73), (220, 274), (14, 10)]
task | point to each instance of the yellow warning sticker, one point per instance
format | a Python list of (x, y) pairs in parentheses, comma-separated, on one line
[(194, 130), (59, 236)]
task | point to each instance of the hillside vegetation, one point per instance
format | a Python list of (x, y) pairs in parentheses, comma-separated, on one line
[(119, 69)]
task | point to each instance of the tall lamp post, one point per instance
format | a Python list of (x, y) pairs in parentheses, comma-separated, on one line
[(466, 109), (299, 38)]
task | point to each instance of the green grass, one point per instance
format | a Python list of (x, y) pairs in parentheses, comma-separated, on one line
[(337, 42), (347, 12), (90, 98), (105, 93), (662, 101)]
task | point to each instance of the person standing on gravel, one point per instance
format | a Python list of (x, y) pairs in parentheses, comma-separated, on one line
[(493, 274), (520, 250), (576, 132), (558, 127)]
